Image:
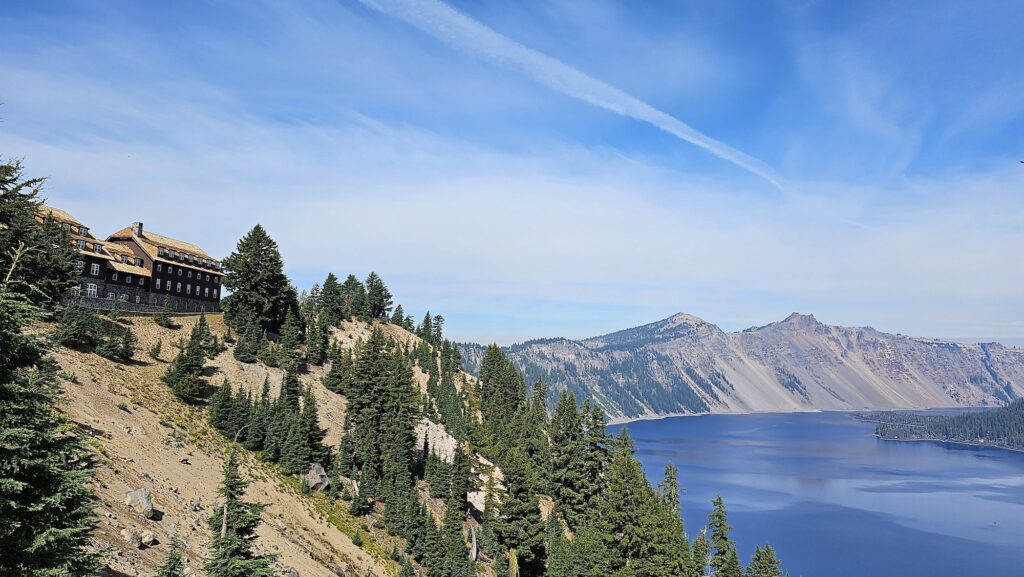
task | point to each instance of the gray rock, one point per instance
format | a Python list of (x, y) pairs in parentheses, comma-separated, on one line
[(140, 501), (291, 572), (317, 479), (131, 538), (147, 538)]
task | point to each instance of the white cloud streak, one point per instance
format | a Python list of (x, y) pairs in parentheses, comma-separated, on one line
[(467, 35)]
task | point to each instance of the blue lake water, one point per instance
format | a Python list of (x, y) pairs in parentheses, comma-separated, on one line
[(837, 502)]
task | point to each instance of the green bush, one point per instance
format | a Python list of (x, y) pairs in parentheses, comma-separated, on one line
[(78, 328)]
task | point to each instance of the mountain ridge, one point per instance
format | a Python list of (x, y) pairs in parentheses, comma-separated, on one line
[(683, 364)]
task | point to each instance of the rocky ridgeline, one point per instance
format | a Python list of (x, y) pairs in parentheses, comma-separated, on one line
[(686, 365)]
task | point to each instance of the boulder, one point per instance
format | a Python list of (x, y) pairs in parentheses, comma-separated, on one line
[(131, 538), (317, 479), (291, 572), (140, 501), (147, 538)]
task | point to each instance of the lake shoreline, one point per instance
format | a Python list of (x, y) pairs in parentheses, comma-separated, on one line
[(948, 442), (658, 417)]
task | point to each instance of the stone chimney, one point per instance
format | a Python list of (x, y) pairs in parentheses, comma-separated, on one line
[(137, 228)]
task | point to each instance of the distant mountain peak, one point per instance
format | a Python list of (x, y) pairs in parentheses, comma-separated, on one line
[(684, 318), (800, 321)]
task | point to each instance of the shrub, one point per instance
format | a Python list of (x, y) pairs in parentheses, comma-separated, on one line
[(163, 318), (154, 351), (78, 328)]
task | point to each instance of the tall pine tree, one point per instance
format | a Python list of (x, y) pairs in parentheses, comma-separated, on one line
[(254, 274), (233, 526)]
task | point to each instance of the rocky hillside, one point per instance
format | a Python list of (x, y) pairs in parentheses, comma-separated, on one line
[(147, 439), (685, 365)]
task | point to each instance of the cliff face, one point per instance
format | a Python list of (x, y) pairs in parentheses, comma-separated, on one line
[(685, 365)]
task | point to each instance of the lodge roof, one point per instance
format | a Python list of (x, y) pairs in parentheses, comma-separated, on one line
[(88, 241), (152, 242), (57, 214)]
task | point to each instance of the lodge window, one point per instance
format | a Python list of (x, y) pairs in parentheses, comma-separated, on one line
[(170, 269), (113, 276), (81, 244), (124, 258), (76, 290), (179, 287), (214, 293), (94, 269), (110, 295), (216, 280), (127, 279), (66, 226), (79, 266), (157, 284), (142, 280), (159, 251), (138, 261), (159, 267), (207, 292), (90, 290), (123, 298), (138, 299), (83, 230), (97, 248), (189, 274), (188, 289), (179, 271), (207, 278)]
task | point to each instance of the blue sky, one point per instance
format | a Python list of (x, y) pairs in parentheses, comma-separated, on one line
[(559, 167)]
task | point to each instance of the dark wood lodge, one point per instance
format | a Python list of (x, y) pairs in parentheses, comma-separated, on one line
[(140, 269)]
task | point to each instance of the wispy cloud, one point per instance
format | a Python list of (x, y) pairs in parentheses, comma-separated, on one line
[(466, 34)]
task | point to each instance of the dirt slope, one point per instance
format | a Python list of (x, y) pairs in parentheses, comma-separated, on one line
[(148, 439)]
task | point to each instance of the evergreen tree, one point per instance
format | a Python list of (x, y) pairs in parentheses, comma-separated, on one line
[(163, 318), (174, 563), (596, 453), (47, 264), (316, 341), (622, 508), (723, 548), (233, 527), (764, 563), (502, 394), (520, 527), (254, 274), (291, 341), (46, 506), (332, 302), (219, 407), (568, 473), (309, 429), (398, 317), (79, 328), (250, 338), (353, 298), (378, 298), (259, 420), (701, 554), (559, 551), (185, 373)]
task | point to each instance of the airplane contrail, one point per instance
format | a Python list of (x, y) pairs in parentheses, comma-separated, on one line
[(465, 34)]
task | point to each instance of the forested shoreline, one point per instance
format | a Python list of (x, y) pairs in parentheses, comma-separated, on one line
[(1001, 428)]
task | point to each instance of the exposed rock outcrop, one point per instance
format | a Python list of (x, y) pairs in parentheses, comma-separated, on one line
[(685, 365)]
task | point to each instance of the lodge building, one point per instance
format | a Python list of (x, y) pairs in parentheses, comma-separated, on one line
[(140, 269)]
